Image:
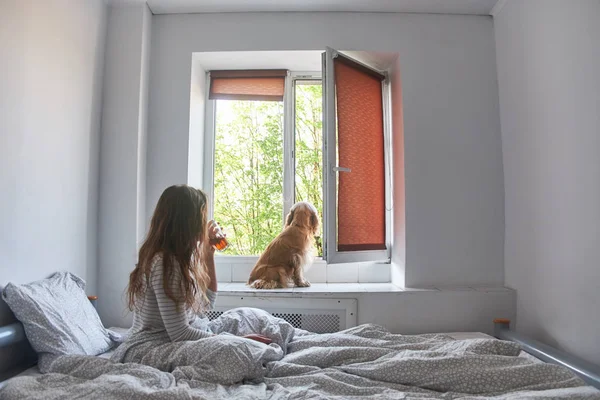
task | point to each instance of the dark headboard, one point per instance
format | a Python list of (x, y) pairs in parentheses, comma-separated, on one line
[(18, 356)]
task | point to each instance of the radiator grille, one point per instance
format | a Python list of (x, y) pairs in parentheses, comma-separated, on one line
[(317, 323), (321, 323), (212, 314)]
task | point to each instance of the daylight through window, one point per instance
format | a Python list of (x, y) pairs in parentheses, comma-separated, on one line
[(249, 162)]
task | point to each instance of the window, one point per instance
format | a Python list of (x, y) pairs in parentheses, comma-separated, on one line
[(271, 132), (250, 160), (357, 182)]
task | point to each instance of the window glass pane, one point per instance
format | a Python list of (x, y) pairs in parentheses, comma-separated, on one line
[(248, 175), (308, 148)]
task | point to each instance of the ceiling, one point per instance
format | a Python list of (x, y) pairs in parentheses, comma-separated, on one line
[(474, 7)]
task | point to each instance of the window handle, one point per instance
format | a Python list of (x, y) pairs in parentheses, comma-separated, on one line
[(342, 169)]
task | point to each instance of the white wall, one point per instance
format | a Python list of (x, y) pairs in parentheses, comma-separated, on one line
[(195, 153), (123, 155), (407, 312), (398, 259), (439, 311), (52, 55), (454, 182), (548, 54)]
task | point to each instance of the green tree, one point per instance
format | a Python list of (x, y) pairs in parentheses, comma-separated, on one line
[(249, 173), (309, 145), (249, 166)]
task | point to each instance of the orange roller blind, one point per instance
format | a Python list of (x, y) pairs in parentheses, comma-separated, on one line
[(264, 85), (361, 192)]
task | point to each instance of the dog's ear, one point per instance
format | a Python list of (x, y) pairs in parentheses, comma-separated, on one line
[(314, 222), (289, 218)]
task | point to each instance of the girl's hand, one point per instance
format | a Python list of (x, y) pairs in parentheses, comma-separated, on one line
[(259, 338), (213, 229)]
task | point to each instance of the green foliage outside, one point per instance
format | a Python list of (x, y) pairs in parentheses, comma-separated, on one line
[(248, 172), (309, 149)]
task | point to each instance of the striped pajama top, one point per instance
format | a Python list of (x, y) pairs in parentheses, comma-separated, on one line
[(159, 313)]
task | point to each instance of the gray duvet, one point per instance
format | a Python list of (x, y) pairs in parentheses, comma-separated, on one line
[(362, 362)]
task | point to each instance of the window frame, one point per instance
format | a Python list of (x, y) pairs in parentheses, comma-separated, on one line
[(331, 167), (208, 174), (289, 170), (289, 141), (290, 133)]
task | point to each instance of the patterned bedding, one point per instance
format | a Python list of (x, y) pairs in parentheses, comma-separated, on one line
[(362, 362)]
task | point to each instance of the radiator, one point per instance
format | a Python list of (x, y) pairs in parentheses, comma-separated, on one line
[(313, 315)]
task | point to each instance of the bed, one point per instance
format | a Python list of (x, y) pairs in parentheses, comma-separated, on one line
[(335, 370), (366, 361)]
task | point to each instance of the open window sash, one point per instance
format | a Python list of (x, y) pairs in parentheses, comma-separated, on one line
[(356, 176)]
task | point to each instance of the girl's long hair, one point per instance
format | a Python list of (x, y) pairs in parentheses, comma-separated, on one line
[(178, 224)]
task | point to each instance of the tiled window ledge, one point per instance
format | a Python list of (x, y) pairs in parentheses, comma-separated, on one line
[(328, 289), (233, 269)]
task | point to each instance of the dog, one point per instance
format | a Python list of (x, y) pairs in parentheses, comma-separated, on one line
[(290, 252)]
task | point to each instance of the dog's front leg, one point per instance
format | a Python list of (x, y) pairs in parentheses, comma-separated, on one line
[(299, 280)]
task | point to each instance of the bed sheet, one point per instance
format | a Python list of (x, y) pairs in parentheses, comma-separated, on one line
[(480, 335), (34, 371)]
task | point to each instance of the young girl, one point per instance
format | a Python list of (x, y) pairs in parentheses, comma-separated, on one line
[(174, 280)]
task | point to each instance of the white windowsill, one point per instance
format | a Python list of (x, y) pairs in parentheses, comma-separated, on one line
[(316, 289), (329, 289)]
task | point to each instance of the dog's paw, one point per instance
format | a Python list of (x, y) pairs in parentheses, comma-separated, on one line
[(262, 284), (303, 283)]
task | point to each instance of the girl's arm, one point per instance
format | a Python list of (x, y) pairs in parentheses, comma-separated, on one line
[(208, 253), (175, 320), (209, 262), (211, 292)]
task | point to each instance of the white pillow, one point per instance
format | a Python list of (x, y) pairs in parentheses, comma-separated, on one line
[(58, 317)]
